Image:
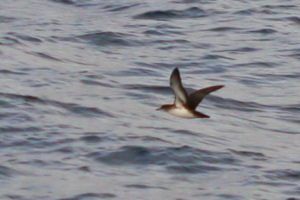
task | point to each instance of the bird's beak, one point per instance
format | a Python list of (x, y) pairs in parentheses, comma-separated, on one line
[(158, 108)]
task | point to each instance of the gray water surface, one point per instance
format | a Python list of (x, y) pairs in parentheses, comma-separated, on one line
[(81, 81)]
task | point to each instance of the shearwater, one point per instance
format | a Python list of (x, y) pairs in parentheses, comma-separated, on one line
[(184, 105)]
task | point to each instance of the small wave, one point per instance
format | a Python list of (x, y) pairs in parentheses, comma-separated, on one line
[(6, 171), (255, 155), (230, 197), (248, 11), (84, 169), (38, 163), (142, 186), (91, 139), (284, 130), (4, 19), (72, 107), (82, 110), (296, 192), (5, 71), (278, 76), (223, 29), (91, 196), (241, 49), (77, 3), (191, 168), (93, 82), (13, 129), (108, 39), (136, 72), (16, 116), (282, 6), (215, 57), (186, 132), (159, 31), (9, 41), (46, 56), (264, 31), (257, 64), (22, 97), (191, 1), (147, 88), (26, 37), (294, 19), (31, 142), (193, 12), (233, 104), (68, 2), (64, 39), (61, 145), (148, 138), (180, 42), (184, 158), (118, 8), (13, 38), (291, 107), (295, 55), (65, 150), (288, 174), (266, 9)]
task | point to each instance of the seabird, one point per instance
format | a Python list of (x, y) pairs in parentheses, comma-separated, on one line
[(184, 105)]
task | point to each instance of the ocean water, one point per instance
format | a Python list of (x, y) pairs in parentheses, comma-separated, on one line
[(81, 80)]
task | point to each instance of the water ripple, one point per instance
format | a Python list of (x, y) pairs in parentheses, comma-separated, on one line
[(191, 168), (223, 29), (109, 39), (264, 31), (72, 107), (68, 2), (118, 8), (6, 171), (5, 71), (27, 38), (5, 19), (141, 186), (91, 139), (286, 174), (255, 155), (294, 19), (9, 41), (183, 159), (91, 196), (193, 12), (13, 129), (46, 56)]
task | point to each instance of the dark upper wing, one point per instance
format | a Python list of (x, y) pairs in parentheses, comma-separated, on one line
[(196, 97), (176, 85)]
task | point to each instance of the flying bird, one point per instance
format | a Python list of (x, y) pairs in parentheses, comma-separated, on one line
[(184, 105)]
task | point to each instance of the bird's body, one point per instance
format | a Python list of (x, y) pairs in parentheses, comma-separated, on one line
[(184, 105), (183, 111)]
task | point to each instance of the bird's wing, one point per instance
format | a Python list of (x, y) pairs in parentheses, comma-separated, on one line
[(179, 91), (196, 97)]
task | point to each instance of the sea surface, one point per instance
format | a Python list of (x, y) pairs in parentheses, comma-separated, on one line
[(80, 82)]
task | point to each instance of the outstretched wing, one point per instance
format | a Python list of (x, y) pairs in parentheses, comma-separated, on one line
[(196, 97), (179, 91)]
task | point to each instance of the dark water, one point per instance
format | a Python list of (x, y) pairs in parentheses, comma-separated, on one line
[(80, 82)]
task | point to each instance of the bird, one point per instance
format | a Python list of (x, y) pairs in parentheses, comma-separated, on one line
[(185, 104)]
